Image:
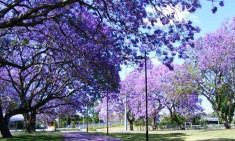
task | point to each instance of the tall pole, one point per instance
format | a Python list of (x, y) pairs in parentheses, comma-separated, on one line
[(107, 114), (87, 118), (125, 118), (146, 95), (58, 121), (83, 122), (66, 121)]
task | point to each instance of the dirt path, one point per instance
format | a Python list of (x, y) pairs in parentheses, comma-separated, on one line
[(81, 136)]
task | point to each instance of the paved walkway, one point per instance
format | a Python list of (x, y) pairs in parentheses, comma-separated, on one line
[(82, 136)]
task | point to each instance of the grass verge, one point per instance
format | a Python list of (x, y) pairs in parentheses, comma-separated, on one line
[(188, 135)]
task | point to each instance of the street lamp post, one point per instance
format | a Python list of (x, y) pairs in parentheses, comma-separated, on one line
[(58, 121), (83, 121), (125, 118), (146, 90), (146, 94), (87, 119), (66, 120), (107, 115)]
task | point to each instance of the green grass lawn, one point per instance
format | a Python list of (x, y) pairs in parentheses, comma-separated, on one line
[(188, 135), (38, 136)]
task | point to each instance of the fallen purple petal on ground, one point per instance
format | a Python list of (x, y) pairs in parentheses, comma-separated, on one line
[(81, 136)]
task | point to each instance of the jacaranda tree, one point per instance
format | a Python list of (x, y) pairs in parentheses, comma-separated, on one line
[(181, 98), (215, 60), (175, 91), (92, 37)]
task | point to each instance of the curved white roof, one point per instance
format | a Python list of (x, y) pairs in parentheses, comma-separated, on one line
[(212, 119), (18, 117)]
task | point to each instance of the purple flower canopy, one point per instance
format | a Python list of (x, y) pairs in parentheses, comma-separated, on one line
[(172, 90), (57, 55)]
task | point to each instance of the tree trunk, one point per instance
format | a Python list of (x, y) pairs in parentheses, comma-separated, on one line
[(225, 118), (33, 121), (227, 125), (29, 122), (226, 122), (175, 118), (131, 125), (153, 123), (182, 127), (131, 120), (4, 125)]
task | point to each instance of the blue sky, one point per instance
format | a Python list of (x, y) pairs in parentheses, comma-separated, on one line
[(208, 22)]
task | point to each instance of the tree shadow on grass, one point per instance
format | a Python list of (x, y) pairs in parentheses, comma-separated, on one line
[(35, 137), (152, 137)]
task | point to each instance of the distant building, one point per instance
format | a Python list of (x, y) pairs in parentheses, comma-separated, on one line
[(212, 120), (16, 122)]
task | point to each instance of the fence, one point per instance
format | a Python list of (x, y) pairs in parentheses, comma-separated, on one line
[(91, 126), (187, 127)]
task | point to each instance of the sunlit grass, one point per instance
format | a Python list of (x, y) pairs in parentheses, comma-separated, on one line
[(152, 137), (188, 135)]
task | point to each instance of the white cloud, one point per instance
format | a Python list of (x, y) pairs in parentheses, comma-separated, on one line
[(179, 14), (155, 61), (194, 19)]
